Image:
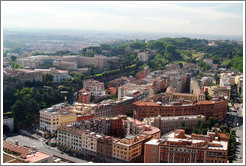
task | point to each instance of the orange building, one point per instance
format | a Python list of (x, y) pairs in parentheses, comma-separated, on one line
[(84, 96), (215, 108)]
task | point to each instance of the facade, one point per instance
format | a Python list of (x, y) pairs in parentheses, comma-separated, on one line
[(178, 147), (55, 116), (97, 61), (114, 108), (227, 79), (96, 88), (142, 74), (129, 89), (215, 108), (170, 123), (68, 65), (84, 96), (70, 138), (218, 90), (23, 74), (143, 56), (209, 61), (197, 95), (194, 84)]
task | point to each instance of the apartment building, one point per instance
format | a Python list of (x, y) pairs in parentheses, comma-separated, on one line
[(124, 147), (227, 79), (96, 88), (84, 96), (89, 143), (218, 90), (198, 94), (131, 88), (113, 108), (55, 116), (70, 138), (194, 84), (178, 147), (215, 108), (170, 123), (129, 149)]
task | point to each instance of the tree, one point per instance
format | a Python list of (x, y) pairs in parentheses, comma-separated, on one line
[(13, 58), (207, 96), (203, 65), (47, 79)]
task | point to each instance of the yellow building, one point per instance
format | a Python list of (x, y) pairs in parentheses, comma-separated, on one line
[(237, 78), (67, 117), (129, 148), (55, 116)]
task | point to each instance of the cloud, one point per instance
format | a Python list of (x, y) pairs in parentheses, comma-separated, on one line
[(115, 15)]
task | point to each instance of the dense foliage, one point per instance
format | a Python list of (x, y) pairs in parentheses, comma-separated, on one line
[(26, 102)]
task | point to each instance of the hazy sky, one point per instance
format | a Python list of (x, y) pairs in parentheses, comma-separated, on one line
[(146, 16)]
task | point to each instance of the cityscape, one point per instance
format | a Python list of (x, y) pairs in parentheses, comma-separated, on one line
[(122, 82)]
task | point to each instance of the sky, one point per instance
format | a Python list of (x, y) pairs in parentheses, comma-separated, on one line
[(220, 18)]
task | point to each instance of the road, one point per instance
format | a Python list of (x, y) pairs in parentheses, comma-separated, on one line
[(239, 134), (23, 140)]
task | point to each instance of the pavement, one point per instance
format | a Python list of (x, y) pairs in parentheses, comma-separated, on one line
[(41, 146), (239, 135)]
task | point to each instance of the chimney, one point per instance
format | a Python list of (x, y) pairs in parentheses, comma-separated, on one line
[(16, 142)]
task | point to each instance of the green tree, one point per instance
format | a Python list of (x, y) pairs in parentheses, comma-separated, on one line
[(47, 79)]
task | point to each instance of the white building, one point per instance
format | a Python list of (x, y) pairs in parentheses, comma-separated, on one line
[(143, 56), (96, 87), (58, 75), (49, 118)]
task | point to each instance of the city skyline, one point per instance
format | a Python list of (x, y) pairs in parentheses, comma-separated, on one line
[(204, 18)]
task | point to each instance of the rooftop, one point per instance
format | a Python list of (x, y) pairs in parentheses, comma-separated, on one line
[(32, 158)]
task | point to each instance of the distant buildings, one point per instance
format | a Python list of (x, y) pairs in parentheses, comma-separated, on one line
[(143, 56), (70, 62), (178, 147), (58, 75), (97, 61), (209, 61), (68, 65), (23, 75)]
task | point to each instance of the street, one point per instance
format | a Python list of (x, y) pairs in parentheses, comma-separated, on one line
[(23, 140), (239, 133)]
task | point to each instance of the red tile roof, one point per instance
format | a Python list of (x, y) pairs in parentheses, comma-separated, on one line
[(144, 103), (14, 148)]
